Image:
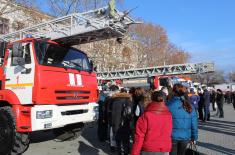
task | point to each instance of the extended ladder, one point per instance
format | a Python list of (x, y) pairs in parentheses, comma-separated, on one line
[(190, 68), (78, 28)]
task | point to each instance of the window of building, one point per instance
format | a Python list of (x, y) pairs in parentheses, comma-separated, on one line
[(4, 26), (20, 26)]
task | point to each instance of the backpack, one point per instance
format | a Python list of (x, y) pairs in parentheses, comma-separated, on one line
[(126, 113)]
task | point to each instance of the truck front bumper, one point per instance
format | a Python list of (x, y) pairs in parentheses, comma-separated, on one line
[(61, 115)]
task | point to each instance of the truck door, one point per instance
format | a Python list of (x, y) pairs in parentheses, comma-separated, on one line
[(151, 80), (20, 79)]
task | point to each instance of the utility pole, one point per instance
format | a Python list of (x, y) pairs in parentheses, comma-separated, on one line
[(164, 58), (231, 76)]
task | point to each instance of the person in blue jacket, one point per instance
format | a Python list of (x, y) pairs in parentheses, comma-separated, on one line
[(184, 121), (194, 98)]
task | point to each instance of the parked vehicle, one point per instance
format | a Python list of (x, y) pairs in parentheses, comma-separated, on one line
[(225, 87)]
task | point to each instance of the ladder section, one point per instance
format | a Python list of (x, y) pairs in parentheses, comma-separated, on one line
[(78, 28), (189, 68)]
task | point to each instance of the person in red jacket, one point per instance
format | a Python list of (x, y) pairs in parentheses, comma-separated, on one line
[(153, 129)]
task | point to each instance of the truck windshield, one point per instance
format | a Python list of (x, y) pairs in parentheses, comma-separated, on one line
[(58, 56)]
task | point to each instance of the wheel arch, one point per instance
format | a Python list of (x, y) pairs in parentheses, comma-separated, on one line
[(22, 113), (5, 103), (8, 97)]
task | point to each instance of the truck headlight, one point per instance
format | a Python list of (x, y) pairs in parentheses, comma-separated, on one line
[(96, 109), (44, 114)]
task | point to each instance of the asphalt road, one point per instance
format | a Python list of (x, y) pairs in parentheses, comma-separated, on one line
[(216, 137)]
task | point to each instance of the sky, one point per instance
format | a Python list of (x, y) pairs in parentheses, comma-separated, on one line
[(204, 28)]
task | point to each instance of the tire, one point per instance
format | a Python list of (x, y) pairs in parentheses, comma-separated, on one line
[(11, 141), (69, 132)]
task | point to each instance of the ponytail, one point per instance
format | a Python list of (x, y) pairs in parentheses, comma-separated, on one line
[(180, 91), (186, 105)]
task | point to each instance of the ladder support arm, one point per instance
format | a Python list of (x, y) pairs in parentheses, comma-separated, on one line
[(190, 68)]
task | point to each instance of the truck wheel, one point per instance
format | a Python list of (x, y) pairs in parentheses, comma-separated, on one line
[(69, 132), (11, 141)]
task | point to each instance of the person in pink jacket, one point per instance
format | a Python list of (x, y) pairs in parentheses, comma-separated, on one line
[(153, 129)]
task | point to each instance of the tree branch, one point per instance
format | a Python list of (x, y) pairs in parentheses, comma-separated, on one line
[(57, 7)]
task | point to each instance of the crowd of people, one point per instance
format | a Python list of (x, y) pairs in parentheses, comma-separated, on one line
[(157, 121), (229, 97)]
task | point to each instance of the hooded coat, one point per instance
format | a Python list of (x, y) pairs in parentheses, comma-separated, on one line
[(153, 130), (122, 131)]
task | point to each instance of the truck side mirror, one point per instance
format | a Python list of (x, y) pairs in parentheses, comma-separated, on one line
[(3, 46), (17, 50), (17, 54), (95, 69), (91, 64)]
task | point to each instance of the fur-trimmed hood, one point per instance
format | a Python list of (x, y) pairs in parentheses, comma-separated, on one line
[(157, 108), (122, 95)]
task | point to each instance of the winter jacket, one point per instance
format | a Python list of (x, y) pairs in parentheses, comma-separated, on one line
[(220, 99), (229, 95), (184, 124), (206, 98), (134, 106), (192, 97), (201, 102), (102, 96), (233, 96), (107, 110), (101, 105), (213, 97), (153, 130), (122, 131)]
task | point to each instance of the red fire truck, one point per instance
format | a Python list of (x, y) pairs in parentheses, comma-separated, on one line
[(45, 83), (162, 81)]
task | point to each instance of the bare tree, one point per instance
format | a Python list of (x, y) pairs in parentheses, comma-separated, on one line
[(230, 76), (65, 7), (210, 79)]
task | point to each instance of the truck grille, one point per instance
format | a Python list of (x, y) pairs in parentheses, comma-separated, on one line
[(72, 95), (71, 98), (71, 92)]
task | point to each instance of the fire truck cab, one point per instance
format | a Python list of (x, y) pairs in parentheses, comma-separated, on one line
[(162, 81), (44, 85)]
